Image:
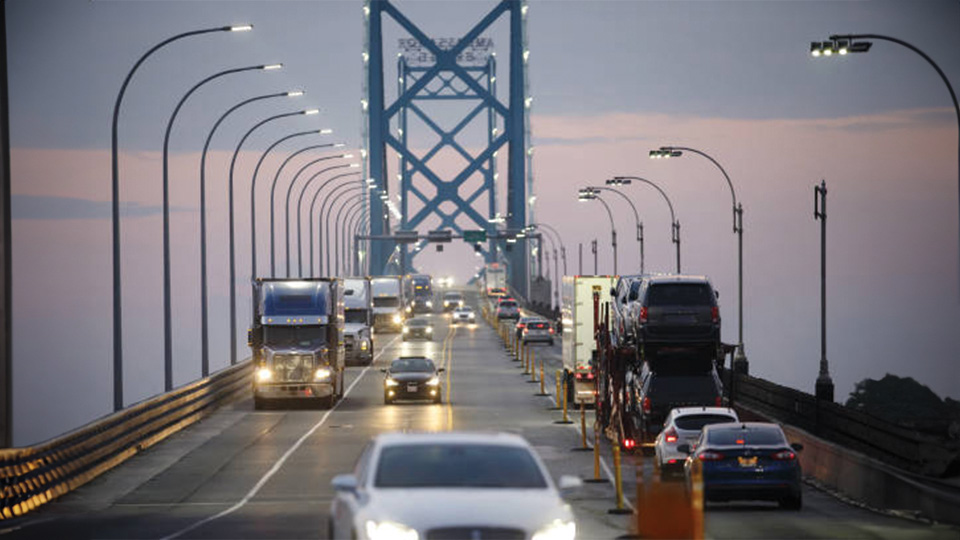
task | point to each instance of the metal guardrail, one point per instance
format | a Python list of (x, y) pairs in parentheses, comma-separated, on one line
[(886, 441), (34, 475)]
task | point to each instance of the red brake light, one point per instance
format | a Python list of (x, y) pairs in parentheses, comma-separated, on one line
[(709, 456), (784, 455), (670, 435), (643, 315), (740, 441), (715, 314), (520, 326), (629, 443), (551, 330), (646, 405)]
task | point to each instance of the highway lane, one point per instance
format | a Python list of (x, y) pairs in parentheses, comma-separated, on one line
[(224, 478)]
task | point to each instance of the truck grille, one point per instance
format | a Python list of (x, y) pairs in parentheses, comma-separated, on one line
[(475, 533), (292, 367)]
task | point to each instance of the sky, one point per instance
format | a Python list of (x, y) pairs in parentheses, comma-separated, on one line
[(610, 81)]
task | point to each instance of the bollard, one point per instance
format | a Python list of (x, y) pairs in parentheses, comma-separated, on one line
[(596, 459), (583, 440), (557, 376), (533, 367), (565, 419), (696, 495), (618, 482), (526, 363), (543, 391)]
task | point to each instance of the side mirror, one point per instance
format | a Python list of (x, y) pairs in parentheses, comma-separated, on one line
[(569, 483), (441, 370), (684, 448), (717, 293), (344, 482), (798, 447)]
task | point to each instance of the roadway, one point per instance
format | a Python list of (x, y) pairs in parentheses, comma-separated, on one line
[(266, 474)]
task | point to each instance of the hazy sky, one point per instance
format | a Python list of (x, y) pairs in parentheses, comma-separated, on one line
[(610, 81)]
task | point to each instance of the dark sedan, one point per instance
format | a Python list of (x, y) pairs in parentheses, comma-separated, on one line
[(414, 378), (418, 328), (746, 461)]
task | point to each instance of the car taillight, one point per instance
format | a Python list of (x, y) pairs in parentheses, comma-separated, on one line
[(520, 326), (670, 435), (784, 455), (629, 444), (715, 314), (709, 456), (551, 330), (643, 315), (645, 404)]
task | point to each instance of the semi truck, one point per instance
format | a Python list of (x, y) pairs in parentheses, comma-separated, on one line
[(388, 302), (358, 326), (296, 340), (418, 292), (495, 280), (579, 350)]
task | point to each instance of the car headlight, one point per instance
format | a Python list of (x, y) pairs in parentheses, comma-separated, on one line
[(390, 530), (364, 345), (409, 309), (557, 530), (429, 330), (435, 381), (390, 382), (429, 303), (396, 319), (406, 329), (322, 374), (264, 374)]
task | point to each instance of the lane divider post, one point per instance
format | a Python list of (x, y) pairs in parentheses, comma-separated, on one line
[(597, 479), (565, 420), (618, 483)]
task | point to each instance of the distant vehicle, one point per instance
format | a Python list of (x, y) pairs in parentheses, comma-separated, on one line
[(625, 294), (495, 280), (452, 300), (414, 378), (418, 292), (678, 313), (464, 314), (445, 282), (508, 309), (683, 426), (387, 295), (296, 340), (358, 327), (747, 461), (522, 323), (578, 348), (537, 331), (450, 485), (418, 328), (662, 391)]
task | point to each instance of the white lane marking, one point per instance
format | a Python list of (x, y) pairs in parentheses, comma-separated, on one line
[(279, 463)]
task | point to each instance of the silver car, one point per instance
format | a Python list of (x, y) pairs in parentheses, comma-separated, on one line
[(416, 486), (464, 314), (683, 426)]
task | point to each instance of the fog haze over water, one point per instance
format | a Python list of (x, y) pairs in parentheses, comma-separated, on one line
[(610, 81)]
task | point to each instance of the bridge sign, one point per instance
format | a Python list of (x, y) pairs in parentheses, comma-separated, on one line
[(474, 237)]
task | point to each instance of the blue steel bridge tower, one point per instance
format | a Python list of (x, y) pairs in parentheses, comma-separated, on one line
[(447, 70)]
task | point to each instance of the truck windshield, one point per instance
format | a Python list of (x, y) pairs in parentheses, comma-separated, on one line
[(386, 301), (355, 316), (306, 337)]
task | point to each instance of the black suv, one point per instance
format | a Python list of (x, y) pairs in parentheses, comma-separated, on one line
[(677, 314), (661, 391)]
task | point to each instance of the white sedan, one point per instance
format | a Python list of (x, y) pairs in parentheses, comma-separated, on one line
[(465, 315), (683, 426), (413, 486)]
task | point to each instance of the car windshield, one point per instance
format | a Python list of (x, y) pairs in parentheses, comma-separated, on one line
[(417, 322), (452, 296), (355, 316), (306, 337), (453, 465), (695, 422), (508, 305), (405, 365), (680, 294), (752, 436), (465, 309)]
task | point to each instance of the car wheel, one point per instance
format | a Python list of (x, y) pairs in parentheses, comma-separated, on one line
[(792, 502)]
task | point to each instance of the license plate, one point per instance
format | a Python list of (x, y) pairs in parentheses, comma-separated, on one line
[(747, 461), (413, 388)]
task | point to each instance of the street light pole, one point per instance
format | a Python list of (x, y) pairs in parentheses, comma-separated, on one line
[(740, 363), (675, 223), (167, 308), (115, 206), (324, 218), (340, 233), (273, 191), (845, 42), (824, 385), (309, 222), (591, 196), (636, 216), (286, 206), (232, 231), (204, 325)]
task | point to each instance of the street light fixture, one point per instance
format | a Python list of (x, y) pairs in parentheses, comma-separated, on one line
[(286, 206), (115, 204), (303, 191), (864, 46), (590, 194), (675, 223), (740, 363), (636, 216), (323, 218)]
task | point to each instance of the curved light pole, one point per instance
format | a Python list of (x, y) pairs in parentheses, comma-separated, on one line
[(636, 216), (556, 260), (556, 266), (843, 43), (232, 242), (286, 206), (593, 196), (273, 190), (563, 249), (675, 223), (303, 191), (740, 363), (362, 226), (352, 219), (348, 206), (167, 315), (253, 194), (204, 327), (324, 218), (115, 204)]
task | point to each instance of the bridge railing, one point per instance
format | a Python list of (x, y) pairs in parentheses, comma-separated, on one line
[(32, 476)]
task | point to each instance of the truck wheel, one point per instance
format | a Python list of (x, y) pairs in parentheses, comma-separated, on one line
[(387, 400)]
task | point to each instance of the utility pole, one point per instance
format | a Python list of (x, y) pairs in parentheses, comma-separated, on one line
[(593, 247), (6, 317), (824, 385), (580, 265)]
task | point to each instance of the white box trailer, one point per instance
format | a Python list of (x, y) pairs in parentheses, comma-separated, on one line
[(578, 343)]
